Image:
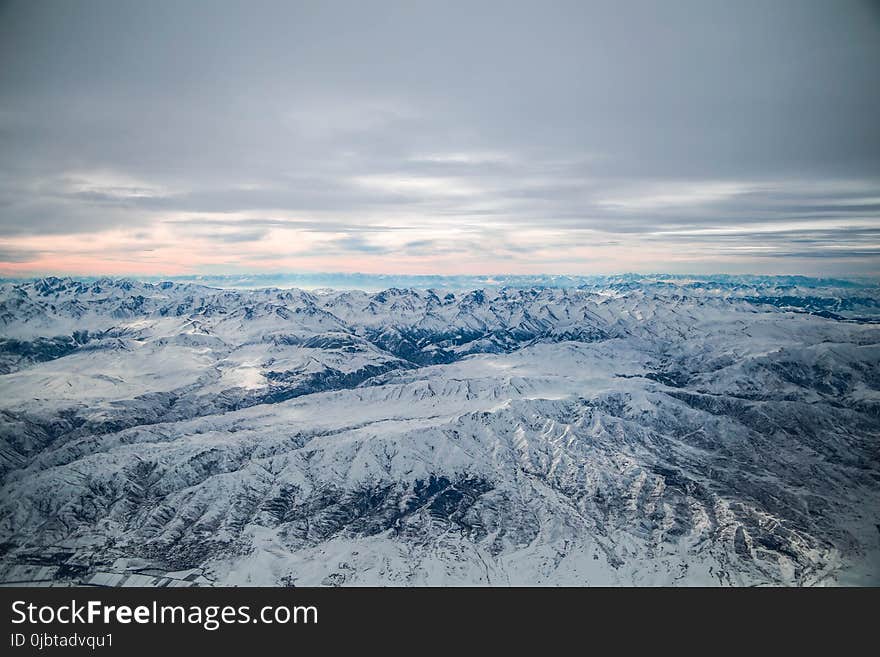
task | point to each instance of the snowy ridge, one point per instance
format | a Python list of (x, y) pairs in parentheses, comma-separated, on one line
[(664, 431)]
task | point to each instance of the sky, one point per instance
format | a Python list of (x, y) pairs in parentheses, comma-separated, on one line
[(149, 138)]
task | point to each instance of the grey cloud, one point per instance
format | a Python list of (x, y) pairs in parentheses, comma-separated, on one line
[(18, 255), (306, 225), (826, 254), (357, 244), (238, 236), (280, 108)]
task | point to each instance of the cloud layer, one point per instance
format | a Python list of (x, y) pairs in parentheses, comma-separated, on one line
[(440, 138)]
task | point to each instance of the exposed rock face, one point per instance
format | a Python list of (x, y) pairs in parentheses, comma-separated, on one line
[(650, 433)]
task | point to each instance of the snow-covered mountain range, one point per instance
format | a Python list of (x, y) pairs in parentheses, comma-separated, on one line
[(632, 431)]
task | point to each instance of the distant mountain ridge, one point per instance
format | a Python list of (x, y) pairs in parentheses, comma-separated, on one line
[(622, 431), (378, 282)]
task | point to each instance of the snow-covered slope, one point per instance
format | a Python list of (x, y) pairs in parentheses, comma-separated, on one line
[(623, 432)]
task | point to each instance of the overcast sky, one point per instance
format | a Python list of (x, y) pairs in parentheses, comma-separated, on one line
[(440, 137)]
